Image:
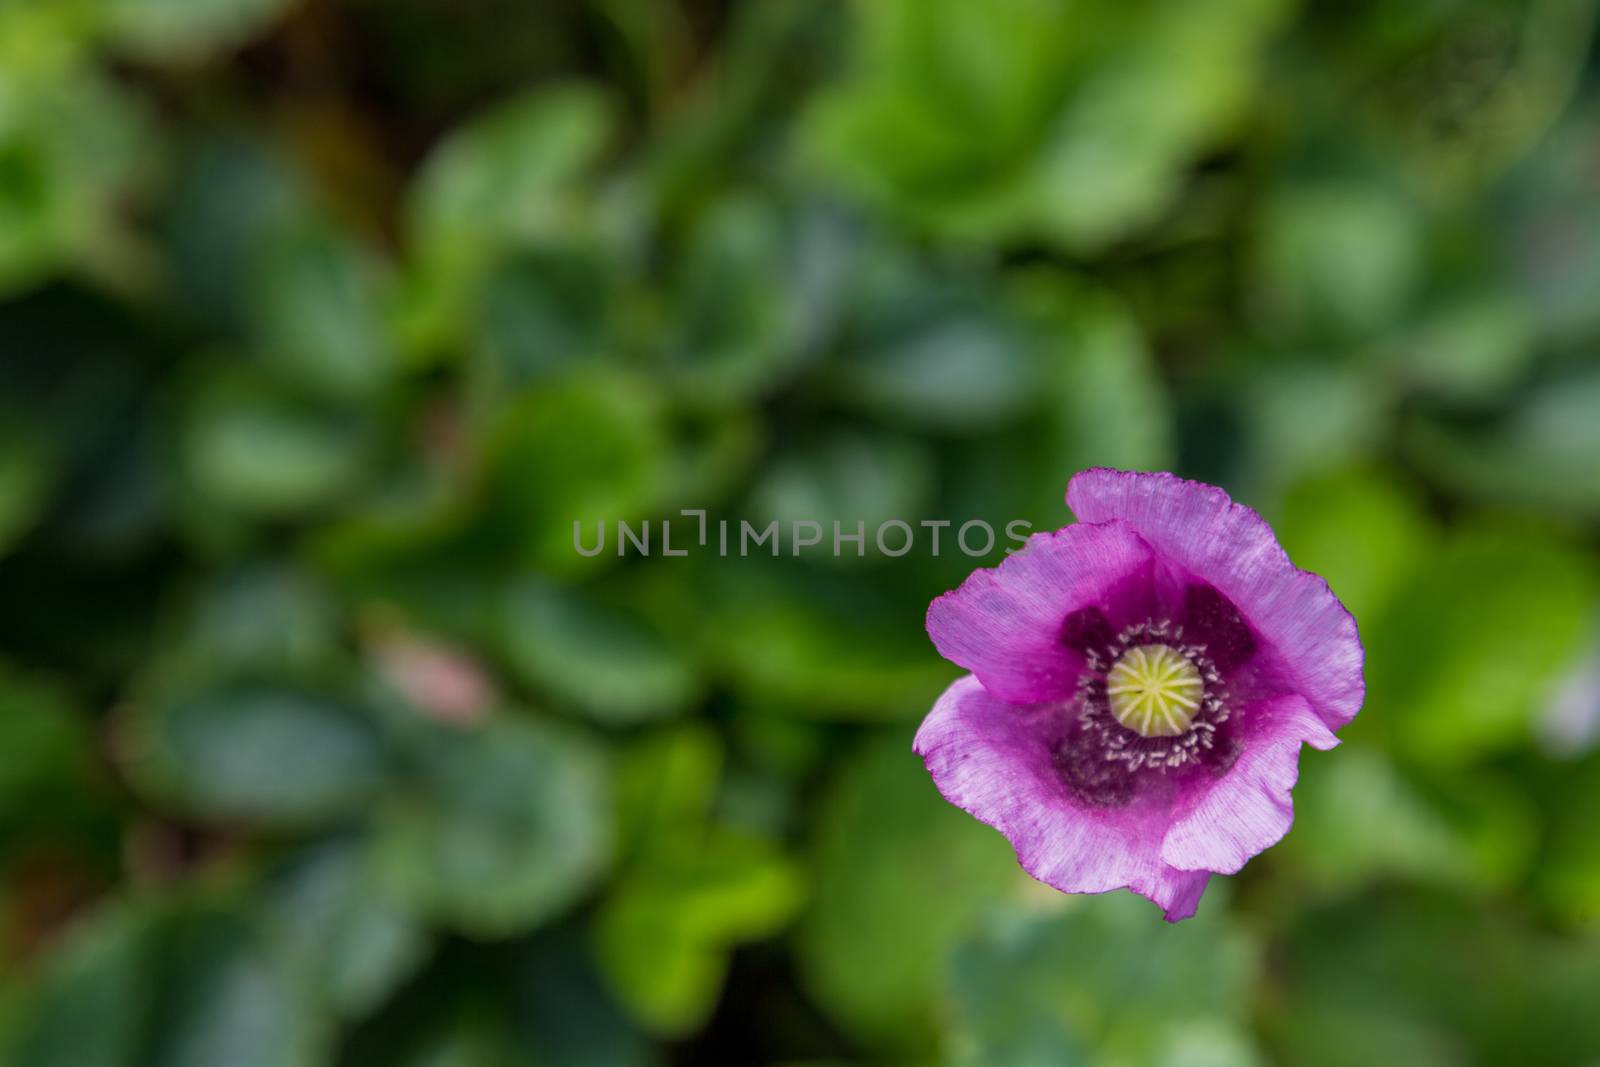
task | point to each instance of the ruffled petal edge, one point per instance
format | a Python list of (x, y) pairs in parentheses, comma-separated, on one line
[(1230, 546), (1249, 809), (1004, 623), (990, 759)]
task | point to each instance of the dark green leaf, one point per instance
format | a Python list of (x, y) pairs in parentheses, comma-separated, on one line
[(504, 826), (257, 752), (608, 662), (1101, 980), (901, 879)]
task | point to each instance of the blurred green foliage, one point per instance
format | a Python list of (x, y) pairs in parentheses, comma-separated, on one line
[(321, 321)]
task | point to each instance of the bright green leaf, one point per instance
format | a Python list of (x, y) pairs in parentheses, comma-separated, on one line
[(583, 453), (663, 938), (1363, 531), (1024, 120), (1474, 640), (509, 173)]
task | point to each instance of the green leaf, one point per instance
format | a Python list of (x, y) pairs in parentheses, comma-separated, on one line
[(1413, 977), (509, 174), (509, 179), (1022, 120), (347, 941), (263, 619), (502, 827), (1533, 57), (27, 208), (1100, 402), (1567, 880), (26, 477), (1103, 980), (1474, 640), (565, 1012), (820, 646), (72, 150), (184, 29), (1146, 102), (227, 202), (960, 372), (929, 350), (1550, 228), (255, 451), (582, 452), (713, 457), (1335, 258), (901, 877), (692, 889), (1363, 531), (169, 985), (263, 752), (545, 312), (847, 478), (1106, 402), (90, 1006), (664, 936), (45, 743), (1473, 346), (1550, 430), (601, 658), (732, 339), (666, 784), (534, 1001), (1304, 417), (316, 301), (1358, 818)]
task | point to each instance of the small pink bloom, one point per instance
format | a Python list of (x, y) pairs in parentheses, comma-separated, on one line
[(444, 683), (1141, 684)]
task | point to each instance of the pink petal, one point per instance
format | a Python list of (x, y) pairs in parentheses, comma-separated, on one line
[(1249, 809), (1004, 624), (994, 760), (1231, 547)]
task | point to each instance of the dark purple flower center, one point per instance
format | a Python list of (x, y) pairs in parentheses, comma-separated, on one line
[(1153, 697)]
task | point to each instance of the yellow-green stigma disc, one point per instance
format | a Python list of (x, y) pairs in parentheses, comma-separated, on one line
[(1154, 690)]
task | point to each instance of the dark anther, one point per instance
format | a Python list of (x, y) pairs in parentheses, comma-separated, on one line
[(1210, 619), (1087, 629), (1094, 780), (1223, 753)]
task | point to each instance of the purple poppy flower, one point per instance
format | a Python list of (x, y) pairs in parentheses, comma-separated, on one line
[(1141, 684)]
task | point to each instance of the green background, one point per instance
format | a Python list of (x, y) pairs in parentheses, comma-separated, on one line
[(320, 323)]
